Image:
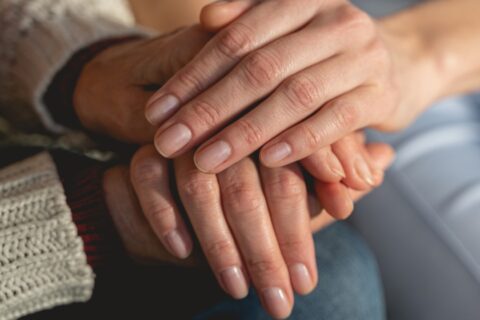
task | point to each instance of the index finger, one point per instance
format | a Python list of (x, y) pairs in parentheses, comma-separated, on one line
[(264, 23)]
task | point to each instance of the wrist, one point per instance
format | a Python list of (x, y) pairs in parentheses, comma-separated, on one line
[(445, 50), (415, 61)]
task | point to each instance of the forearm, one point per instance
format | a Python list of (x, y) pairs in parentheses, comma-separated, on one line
[(445, 37)]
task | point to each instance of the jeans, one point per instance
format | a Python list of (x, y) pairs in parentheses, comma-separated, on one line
[(424, 222), (349, 286)]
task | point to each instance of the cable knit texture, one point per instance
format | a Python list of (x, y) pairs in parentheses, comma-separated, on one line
[(37, 37), (42, 262)]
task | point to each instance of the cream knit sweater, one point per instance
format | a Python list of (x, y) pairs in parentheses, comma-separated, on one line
[(42, 263)]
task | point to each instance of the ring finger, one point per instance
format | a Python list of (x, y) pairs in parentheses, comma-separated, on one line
[(200, 195)]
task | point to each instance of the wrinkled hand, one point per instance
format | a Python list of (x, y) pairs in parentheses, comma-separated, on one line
[(317, 69), (113, 88), (253, 224)]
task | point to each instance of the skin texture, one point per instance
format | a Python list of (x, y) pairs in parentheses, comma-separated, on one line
[(115, 85), (321, 69), (167, 15), (243, 220), (405, 49), (277, 255)]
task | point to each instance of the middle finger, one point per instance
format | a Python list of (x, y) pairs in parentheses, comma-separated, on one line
[(248, 216)]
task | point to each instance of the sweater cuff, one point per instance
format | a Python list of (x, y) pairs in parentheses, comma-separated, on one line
[(41, 36), (42, 262), (82, 180)]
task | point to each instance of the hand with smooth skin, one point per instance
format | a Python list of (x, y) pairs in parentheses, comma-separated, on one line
[(117, 83), (318, 70), (112, 88), (253, 224)]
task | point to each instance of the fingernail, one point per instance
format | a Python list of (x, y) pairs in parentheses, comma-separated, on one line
[(363, 170), (178, 245), (276, 302), (234, 282), (173, 139), (277, 153), (377, 176), (335, 166), (212, 156), (161, 108), (301, 279)]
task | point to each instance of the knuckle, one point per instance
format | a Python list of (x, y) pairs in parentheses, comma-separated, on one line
[(345, 115), (285, 185), (191, 78), (263, 266), (161, 213), (251, 133), (219, 248), (198, 187), (292, 244), (302, 92), (242, 198), (354, 20), (235, 40), (313, 138), (261, 68), (205, 113), (147, 172)]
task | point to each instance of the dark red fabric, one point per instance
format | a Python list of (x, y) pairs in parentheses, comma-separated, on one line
[(82, 180), (59, 95)]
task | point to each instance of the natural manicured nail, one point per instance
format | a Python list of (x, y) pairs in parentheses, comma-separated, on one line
[(178, 245), (173, 139), (161, 108), (335, 166), (276, 302), (277, 153), (234, 282), (363, 171), (301, 280), (212, 156)]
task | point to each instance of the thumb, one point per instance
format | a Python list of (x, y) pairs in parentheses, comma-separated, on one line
[(221, 13)]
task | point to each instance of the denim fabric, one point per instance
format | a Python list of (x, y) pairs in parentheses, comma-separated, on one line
[(349, 286), (380, 8)]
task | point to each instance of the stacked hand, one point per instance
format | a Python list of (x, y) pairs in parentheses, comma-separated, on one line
[(315, 71), (252, 220), (253, 223)]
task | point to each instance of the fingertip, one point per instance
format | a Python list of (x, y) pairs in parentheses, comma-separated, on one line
[(179, 244), (221, 13), (215, 16), (336, 199), (382, 154)]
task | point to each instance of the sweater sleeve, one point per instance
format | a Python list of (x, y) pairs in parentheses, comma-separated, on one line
[(37, 38), (42, 262)]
